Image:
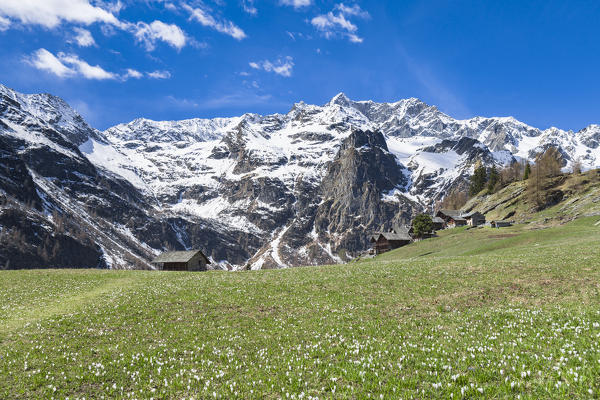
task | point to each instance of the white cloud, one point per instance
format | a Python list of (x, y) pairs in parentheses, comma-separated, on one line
[(157, 30), (331, 21), (86, 70), (336, 23), (282, 66), (70, 65), (84, 38), (50, 13), (296, 3), (205, 19), (132, 73), (46, 61), (4, 24), (354, 10), (248, 6), (113, 6), (159, 74), (170, 6)]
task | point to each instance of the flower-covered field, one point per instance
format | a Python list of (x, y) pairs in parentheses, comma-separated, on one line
[(520, 317)]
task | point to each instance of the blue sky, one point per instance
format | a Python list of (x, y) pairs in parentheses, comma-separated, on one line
[(114, 61)]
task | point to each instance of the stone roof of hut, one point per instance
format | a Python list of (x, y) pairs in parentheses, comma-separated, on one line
[(396, 236), (454, 214), (178, 256)]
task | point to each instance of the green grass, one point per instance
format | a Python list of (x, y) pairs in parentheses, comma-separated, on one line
[(474, 313)]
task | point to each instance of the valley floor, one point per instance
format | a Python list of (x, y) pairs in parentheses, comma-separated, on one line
[(473, 313)]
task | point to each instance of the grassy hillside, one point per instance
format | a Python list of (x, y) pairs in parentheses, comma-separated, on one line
[(473, 313), (567, 196)]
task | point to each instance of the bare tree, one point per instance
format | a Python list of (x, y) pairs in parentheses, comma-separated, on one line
[(577, 166), (455, 200), (59, 222), (512, 173), (547, 165)]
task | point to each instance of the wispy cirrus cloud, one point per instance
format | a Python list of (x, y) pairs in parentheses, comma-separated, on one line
[(443, 96), (70, 65), (248, 6), (281, 66), (159, 74), (4, 24), (205, 18), (296, 3), (337, 23), (241, 99)]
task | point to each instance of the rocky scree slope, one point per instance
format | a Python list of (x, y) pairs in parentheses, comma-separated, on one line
[(253, 191)]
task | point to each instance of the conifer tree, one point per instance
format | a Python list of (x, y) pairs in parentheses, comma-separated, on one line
[(527, 171), (422, 224), (478, 180), (493, 179)]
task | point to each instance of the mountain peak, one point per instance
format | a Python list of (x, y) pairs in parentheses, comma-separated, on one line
[(340, 99)]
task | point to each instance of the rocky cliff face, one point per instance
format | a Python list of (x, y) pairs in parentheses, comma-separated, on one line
[(253, 191)]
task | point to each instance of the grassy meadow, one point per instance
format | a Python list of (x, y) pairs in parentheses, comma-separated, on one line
[(479, 313)]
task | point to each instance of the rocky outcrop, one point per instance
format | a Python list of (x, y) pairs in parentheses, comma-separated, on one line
[(352, 190)]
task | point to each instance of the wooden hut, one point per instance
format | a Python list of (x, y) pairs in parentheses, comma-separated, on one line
[(452, 218), (438, 223), (500, 224), (474, 218), (192, 260), (386, 241)]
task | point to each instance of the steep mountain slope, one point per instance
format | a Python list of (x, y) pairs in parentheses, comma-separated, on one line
[(562, 198), (252, 191)]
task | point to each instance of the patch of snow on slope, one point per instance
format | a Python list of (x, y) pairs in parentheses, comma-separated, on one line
[(109, 158), (35, 138), (405, 148), (275, 247), (430, 163)]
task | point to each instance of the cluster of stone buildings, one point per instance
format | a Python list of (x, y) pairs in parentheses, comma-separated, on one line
[(442, 219)]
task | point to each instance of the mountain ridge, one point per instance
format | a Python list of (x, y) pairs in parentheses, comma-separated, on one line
[(256, 191)]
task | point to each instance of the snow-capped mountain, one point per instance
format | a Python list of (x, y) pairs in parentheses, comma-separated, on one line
[(253, 191)]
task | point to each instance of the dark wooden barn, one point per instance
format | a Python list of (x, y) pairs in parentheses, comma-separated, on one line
[(386, 241), (452, 218), (192, 260), (438, 223)]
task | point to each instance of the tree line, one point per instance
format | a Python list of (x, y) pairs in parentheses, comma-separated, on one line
[(489, 180)]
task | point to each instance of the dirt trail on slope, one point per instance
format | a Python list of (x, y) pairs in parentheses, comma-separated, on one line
[(64, 305)]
